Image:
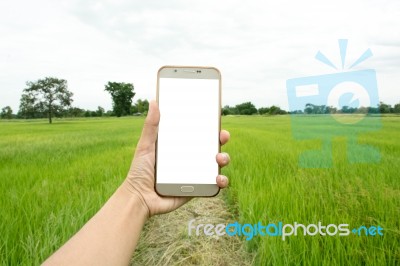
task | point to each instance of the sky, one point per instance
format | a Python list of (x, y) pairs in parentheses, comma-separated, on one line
[(257, 45)]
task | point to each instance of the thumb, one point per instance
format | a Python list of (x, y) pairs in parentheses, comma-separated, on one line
[(150, 128)]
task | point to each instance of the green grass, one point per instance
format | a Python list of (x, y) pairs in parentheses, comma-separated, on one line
[(53, 178), (268, 185)]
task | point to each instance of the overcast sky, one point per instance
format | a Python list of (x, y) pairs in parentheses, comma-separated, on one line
[(257, 45)]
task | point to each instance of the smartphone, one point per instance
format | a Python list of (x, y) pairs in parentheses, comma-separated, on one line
[(189, 99)]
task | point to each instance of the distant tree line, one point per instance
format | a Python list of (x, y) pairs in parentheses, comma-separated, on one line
[(248, 108), (382, 108), (50, 97)]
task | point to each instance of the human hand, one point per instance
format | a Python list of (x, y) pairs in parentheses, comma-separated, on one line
[(140, 179)]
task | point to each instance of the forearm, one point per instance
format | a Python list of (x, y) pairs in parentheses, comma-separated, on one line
[(109, 237)]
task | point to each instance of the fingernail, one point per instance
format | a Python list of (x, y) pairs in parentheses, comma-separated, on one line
[(223, 180), (225, 157)]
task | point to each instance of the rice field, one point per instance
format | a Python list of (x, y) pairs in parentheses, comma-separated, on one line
[(53, 178), (268, 185)]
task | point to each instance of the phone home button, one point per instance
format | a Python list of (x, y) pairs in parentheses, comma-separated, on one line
[(187, 189)]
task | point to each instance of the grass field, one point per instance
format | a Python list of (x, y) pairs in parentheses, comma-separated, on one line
[(267, 185), (53, 178)]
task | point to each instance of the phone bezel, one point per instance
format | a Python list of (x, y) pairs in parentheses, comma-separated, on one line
[(190, 72)]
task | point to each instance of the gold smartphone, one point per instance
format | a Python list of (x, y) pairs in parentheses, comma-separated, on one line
[(189, 99)]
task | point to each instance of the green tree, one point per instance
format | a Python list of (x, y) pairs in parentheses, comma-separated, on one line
[(296, 112), (142, 106), (263, 110), (27, 108), (319, 109), (100, 111), (373, 110), (228, 110), (246, 108), (76, 112), (122, 95), (274, 110), (396, 108), (361, 110), (384, 108), (333, 110), (134, 109), (309, 109), (48, 97), (109, 113), (6, 113)]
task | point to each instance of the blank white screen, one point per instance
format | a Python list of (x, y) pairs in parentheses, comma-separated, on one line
[(188, 135)]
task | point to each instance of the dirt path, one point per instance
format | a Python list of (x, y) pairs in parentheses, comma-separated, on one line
[(165, 240)]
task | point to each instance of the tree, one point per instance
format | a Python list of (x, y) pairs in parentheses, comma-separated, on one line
[(396, 108), (373, 110), (309, 109), (142, 106), (27, 108), (100, 111), (109, 113), (227, 110), (122, 95), (274, 110), (361, 110), (263, 110), (384, 108), (296, 112), (6, 113), (331, 110), (345, 109), (134, 109), (319, 109), (45, 97), (246, 108), (76, 112)]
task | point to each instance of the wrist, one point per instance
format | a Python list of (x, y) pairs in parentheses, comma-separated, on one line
[(134, 197)]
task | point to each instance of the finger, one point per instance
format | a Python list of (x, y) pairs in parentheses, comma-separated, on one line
[(224, 136), (222, 181), (223, 159), (150, 127)]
